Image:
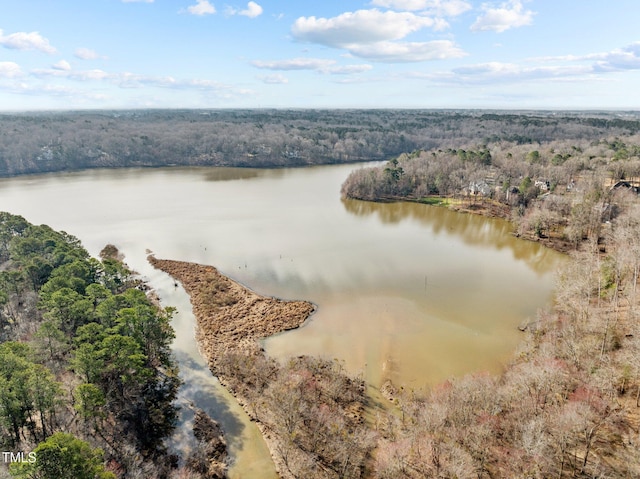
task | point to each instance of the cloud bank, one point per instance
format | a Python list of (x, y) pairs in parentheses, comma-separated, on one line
[(10, 70), (442, 8), (373, 34)]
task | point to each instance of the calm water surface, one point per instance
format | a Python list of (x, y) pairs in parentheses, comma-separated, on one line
[(405, 292)]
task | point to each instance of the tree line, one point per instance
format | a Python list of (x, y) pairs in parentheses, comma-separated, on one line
[(85, 363), (47, 141), (311, 408), (87, 379), (567, 405), (560, 190)]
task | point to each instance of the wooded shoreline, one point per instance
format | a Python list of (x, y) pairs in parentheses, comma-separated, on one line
[(231, 317), (71, 141), (553, 383)]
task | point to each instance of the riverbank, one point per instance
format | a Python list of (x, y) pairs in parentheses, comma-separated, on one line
[(487, 208), (135, 138), (494, 209), (309, 411)]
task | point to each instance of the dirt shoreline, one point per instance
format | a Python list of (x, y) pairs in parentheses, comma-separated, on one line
[(231, 318)]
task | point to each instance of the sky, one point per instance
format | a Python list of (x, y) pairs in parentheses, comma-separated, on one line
[(513, 54)]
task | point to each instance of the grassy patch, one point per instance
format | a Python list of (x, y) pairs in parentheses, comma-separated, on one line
[(436, 201)]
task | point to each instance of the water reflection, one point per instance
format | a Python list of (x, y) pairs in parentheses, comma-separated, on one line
[(199, 390), (230, 174), (474, 230)]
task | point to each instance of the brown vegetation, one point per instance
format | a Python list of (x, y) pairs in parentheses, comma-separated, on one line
[(230, 316), (309, 411), (566, 407), (558, 192), (210, 455)]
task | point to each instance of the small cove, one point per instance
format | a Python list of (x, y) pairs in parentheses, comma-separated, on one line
[(405, 292)]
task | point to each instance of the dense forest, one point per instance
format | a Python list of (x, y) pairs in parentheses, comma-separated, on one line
[(46, 142), (87, 379)]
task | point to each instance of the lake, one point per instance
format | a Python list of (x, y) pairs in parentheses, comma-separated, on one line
[(406, 292)]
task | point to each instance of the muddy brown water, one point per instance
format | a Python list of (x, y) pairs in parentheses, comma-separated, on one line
[(406, 292)]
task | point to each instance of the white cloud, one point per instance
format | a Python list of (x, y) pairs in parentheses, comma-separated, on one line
[(497, 71), (348, 69), (275, 79), (95, 74), (26, 41), (509, 15), (319, 65), (74, 95), (627, 58), (294, 64), (86, 54), (10, 70), (202, 7), (404, 52), (62, 65), (446, 8), (400, 4), (362, 26), (558, 68), (620, 59), (373, 35), (79, 75), (134, 80), (253, 10), (489, 67)]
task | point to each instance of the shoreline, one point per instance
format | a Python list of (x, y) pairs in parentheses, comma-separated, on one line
[(268, 166), (231, 317), (486, 208)]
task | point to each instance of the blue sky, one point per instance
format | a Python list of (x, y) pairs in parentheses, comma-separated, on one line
[(539, 54)]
